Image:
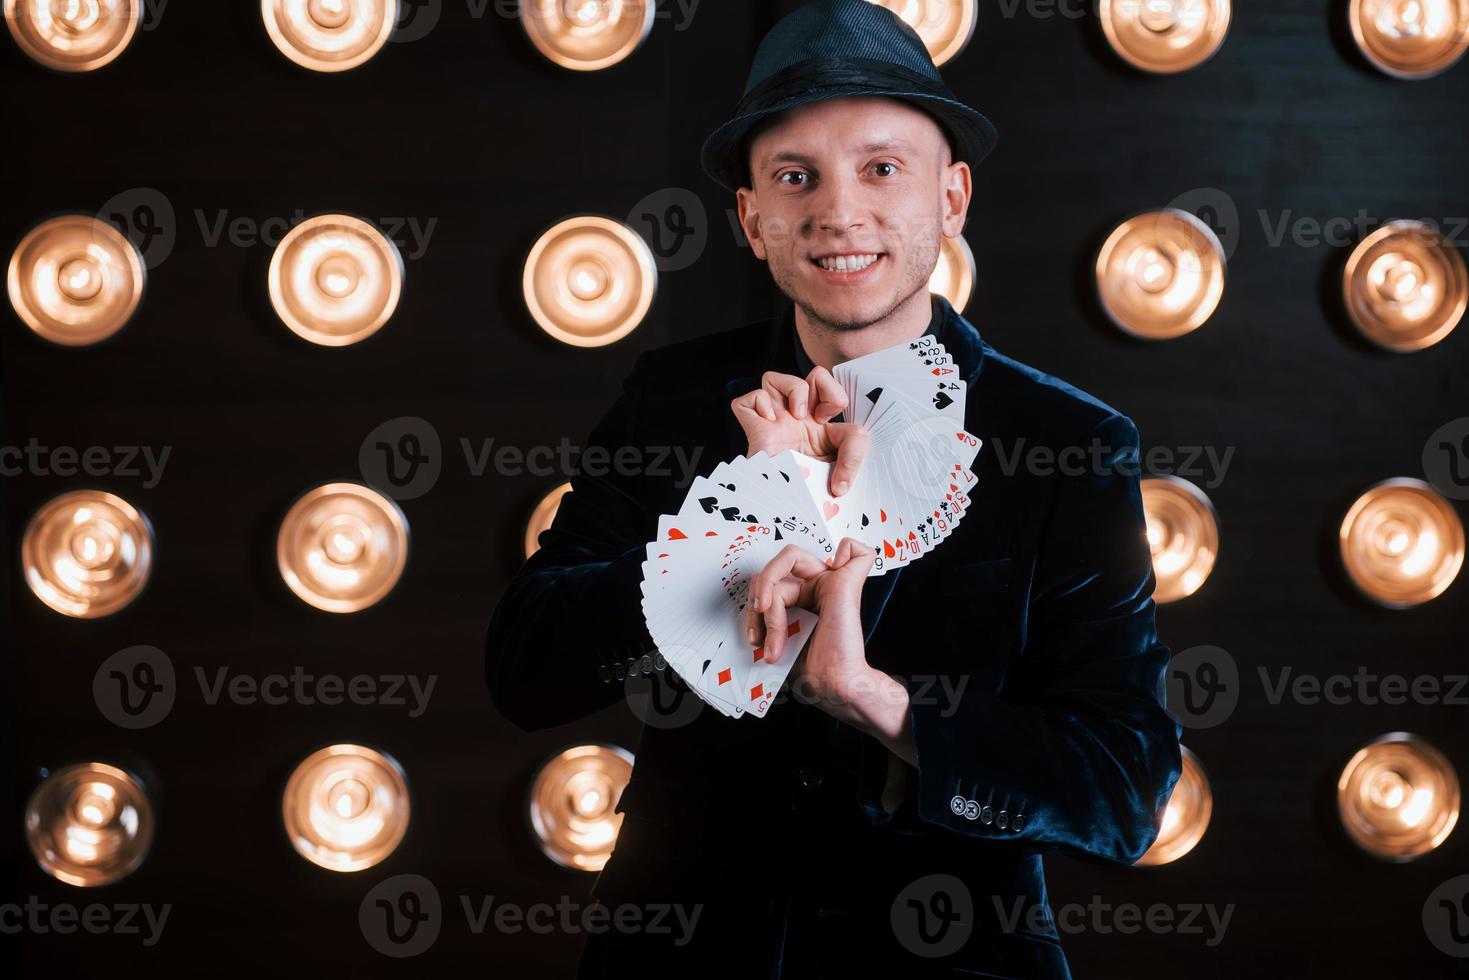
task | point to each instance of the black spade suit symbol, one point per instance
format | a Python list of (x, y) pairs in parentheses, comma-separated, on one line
[(942, 401)]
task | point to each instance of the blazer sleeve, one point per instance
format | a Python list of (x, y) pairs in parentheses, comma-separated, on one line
[(572, 614), (1077, 753)]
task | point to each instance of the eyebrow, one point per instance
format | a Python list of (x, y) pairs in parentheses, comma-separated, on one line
[(791, 156)]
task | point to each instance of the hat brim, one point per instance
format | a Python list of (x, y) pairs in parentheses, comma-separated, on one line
[(722, 156)]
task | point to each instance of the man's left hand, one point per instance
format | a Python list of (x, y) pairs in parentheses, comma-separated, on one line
[(833, 672)]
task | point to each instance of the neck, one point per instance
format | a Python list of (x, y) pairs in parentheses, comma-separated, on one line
[(828, 346)]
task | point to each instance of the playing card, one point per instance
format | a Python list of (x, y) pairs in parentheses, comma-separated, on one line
[(908, 495)]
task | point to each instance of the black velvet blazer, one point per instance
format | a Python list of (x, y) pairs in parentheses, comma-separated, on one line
[(1026, 640)]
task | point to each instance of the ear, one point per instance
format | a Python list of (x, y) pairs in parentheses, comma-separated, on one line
[(750, 221), (957, 190)]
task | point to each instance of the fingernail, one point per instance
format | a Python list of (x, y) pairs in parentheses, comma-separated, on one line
[(840, 488), (751, 635), (801, 409)]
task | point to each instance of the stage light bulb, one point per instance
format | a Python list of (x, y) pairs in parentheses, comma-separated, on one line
[(89, 824), (1186, 817), (346, 807), (1160, 275), (342, 547), (87, 553), (1402, 543), (589, 281), (1398, 797), (1183, 533), (573, 802)]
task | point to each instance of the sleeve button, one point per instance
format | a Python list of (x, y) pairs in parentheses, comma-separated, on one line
[(1002, 819), (987, 816), (605, 674)]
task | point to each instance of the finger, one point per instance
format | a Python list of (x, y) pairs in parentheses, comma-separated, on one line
[(852, 573), (852, 442), (789, 389), (775, 627), (790, 561), (752, 618), (829, 396), (765, 581), (787, 593), (753, 407)]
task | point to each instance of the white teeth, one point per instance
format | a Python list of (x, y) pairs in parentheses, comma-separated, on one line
[(846, 263)]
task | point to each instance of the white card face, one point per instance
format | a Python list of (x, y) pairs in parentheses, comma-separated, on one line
[(764, 680), (907, 497)]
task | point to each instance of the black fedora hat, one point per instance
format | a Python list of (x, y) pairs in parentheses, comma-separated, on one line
[(833, 48)]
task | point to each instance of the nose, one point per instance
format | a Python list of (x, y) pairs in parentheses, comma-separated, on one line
[(840, 209)]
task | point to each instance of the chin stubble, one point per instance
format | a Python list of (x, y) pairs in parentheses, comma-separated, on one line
[(916, 276)]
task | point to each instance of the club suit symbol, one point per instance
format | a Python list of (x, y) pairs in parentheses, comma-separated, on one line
[(1446, 917), (402, 457), (1446, 459), (1203, 687), (933, 916), (134, 688), (401, 916)]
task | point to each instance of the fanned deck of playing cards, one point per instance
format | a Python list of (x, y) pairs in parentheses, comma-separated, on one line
[(908, 496)]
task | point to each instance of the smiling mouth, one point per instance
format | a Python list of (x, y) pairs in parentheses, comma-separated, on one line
[(848, 266)]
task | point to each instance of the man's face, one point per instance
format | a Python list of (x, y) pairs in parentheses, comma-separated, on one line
[(839, 182)]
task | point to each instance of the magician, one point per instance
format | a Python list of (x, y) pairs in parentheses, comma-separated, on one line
[(957, 719)]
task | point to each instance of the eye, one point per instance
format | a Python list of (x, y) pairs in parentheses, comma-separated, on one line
[(781, 178), (892, 167)]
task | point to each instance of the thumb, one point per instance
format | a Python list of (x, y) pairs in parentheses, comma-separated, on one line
[(852, 573), (851, 442)]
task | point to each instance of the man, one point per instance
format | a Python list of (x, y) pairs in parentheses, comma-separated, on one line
[(949, 722)]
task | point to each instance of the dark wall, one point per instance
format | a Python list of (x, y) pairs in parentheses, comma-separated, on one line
[(470, 129)]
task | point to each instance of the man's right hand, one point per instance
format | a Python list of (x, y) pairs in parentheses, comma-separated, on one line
[(786, 412)]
